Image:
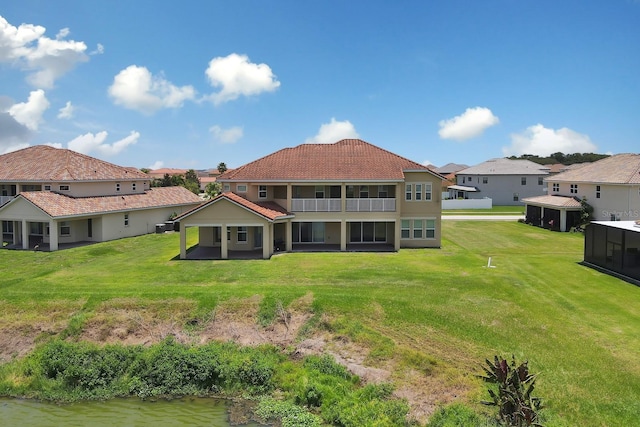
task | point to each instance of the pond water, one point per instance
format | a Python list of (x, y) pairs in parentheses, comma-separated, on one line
[(117, 412)]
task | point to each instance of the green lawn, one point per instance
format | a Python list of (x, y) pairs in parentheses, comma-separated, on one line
[(495, 210), (578, 328)]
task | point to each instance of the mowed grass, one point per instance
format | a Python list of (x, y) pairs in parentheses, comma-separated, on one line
[(579, 329), (495, 210)]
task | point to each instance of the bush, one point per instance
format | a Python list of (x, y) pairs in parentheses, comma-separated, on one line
[(289, 414), (458, 415)]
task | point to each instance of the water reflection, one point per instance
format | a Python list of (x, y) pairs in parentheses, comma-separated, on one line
[(117, 412)]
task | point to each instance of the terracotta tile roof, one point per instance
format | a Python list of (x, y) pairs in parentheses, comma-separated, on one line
[(60, 205), (553, 201), (45, 163), (268, 210), (349, 159), (616, 169)]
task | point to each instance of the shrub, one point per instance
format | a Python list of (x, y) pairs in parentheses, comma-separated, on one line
[(289, 414), (516, 406), (458, 415)]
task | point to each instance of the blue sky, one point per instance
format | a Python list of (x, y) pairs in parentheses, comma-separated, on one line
[(190, 84)]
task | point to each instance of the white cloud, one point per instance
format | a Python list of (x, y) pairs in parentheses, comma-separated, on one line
[(66, 112), (427, 163), (30, 113), (99, 50), (468, 125), (333, 131), (90, 142), (137, 89), (237, 77), (46, 59), (159, 164), (541, 141), (226, 136)]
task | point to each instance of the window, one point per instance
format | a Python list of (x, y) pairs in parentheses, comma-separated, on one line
[(319, 191), (117, 186), (133, 186), (126, 220), (350, 192), (555, 187), (430, 229), (417, 229), (523, 180), (65, 229), (47, 188), (407, 192), (242, 188), (364, 191), (405, 229), (485, 180), (226, 187), (597, 191), (242, 234), (573, 189), (427, 191), (36, 228), (418, 192), (516, 197), (7, 226), (382, 191), (540, 180), (262, 191), (64, 188)]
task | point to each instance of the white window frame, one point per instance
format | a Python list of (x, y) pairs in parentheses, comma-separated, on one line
[(64, 188), (485, 180), (430, 228), (555, 187), (363, 192), (418, 192), (573, 188), (262, 191), (65, 228), (226, 187), (405, 229), (408, 192), (241, 188), (523, 180), (540, 180), (242, 230), (117, 187), (598, 191), (47, 188), (133, 186), (126, 220), (428, 191), (319, 191), (418, 229)]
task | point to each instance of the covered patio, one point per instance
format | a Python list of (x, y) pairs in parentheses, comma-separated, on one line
[(557, 213)]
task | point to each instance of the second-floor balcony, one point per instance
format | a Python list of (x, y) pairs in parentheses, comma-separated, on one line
[(351, 205), (316, 205)]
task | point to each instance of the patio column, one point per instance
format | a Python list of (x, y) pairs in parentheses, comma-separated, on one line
[(224, 243), (343, 197), (53, 235), (541, 217), (288, 236), (267, 241), (289, 196), (343, 235), (563, 220), (183, 241), (25, 235), (16, 232), (396, 235)]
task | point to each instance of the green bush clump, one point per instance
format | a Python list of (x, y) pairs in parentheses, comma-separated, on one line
[(289, 414), (459, 415)]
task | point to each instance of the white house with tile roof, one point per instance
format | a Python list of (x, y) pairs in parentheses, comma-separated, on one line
[(350, 195), (83, 198), (505, 181), (610, 185)]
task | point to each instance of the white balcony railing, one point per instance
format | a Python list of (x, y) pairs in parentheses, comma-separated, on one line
[(315, 205), (5, 199), (371, 205)]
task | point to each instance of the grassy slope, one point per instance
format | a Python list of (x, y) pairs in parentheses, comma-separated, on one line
[(578, 328)]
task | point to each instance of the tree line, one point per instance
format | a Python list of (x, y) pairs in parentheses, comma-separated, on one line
[(565, 159)]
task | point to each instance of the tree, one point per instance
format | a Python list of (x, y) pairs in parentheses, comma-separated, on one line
[(222, 167), (213, 189), (145, 170), (191, 181)]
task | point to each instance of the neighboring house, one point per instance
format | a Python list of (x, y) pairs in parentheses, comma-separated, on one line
[(614, 247), (505, 181), (52, 198), (450, 168), (349, 195), (611, 186), (160, 173)]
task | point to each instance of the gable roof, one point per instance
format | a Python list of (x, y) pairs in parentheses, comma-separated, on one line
[(268, 210), (45, 163), (554, 201), (616, 169), (345, 160), (501, 166), (450, 168), (59, 205)]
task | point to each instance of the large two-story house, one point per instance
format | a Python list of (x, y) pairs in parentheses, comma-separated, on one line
[(344, 196), (505, 181), (611, 186), (51, 198)]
